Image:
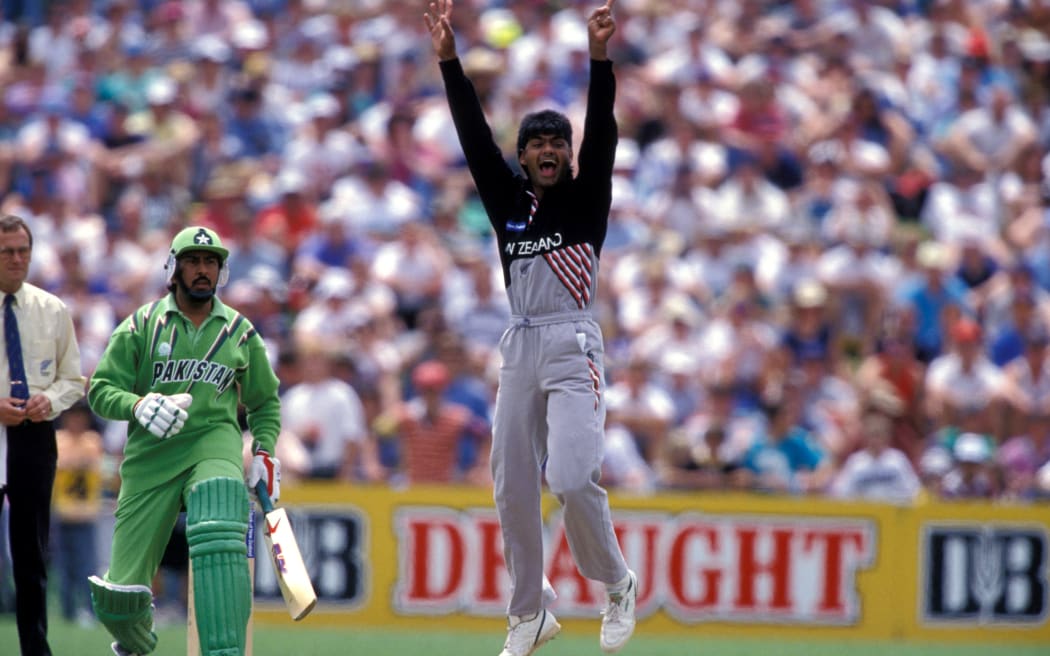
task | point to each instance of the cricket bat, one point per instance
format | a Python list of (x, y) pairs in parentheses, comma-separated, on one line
[(288, 565), (193, 647)]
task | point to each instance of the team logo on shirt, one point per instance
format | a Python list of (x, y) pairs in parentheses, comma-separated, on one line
[(516, 226), (164, 350), (194, 370), (534, 246)]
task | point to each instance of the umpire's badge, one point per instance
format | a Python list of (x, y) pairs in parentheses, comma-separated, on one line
[(164, 350)]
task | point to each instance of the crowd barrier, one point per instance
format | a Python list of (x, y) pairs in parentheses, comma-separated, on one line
[(722, 564)]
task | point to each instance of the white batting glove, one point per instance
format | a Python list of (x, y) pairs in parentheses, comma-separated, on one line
[(161, 415), (266, 468)]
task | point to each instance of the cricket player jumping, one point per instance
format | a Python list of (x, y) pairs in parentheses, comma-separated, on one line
[(550, 406), (176, 370)]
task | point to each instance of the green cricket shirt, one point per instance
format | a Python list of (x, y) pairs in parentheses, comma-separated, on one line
[(221, 364)]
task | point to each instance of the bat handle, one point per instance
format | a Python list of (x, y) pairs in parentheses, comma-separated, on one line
[(264, 497)]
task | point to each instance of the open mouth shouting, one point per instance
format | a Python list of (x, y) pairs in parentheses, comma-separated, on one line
[(548, 168)]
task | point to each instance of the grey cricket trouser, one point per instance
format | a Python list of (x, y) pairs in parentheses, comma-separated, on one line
[(550, 405)]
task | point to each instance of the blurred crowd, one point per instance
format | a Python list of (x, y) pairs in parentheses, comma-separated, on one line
[(827, 268)]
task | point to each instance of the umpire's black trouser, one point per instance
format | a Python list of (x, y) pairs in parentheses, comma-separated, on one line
[(31, 457)]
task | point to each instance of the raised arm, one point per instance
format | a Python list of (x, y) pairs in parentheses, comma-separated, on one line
[(493, 178), (598, 146), (600, 28), (437, 20)]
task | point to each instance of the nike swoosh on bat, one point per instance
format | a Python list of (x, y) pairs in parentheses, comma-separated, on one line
[(272, 527)]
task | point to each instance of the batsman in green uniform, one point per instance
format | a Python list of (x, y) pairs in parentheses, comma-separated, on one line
[(176, 370)]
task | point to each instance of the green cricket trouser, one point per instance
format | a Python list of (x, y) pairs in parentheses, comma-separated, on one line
[(145, 521)]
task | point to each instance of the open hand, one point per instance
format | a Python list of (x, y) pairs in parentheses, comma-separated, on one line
[(437, 19)]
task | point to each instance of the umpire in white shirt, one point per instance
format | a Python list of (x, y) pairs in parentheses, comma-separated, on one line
[(40, 377)]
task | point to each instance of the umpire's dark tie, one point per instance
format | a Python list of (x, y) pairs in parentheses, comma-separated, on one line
[(19, 386)]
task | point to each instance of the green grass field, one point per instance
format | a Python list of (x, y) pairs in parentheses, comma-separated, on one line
[(70, 640)]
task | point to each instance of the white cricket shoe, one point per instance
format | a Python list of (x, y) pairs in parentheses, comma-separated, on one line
[(525, 636), (618, 617)]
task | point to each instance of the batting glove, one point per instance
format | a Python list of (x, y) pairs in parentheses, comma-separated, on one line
[(161, 415), (266, 468)]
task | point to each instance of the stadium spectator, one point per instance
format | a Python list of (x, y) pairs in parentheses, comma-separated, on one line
[(333, 244), (786, 457), (808, 326), (327, 416), (990, 138), (645, 284), (477, 308), (262, 296), (1009, 341), (830, 404), (700, 461), (670, 342), (468, 385), (77, 504), (876, 472), (414, 267), (710, 258), (708, 449), (207, 90), (641, 407), (859, 207), (249, 249), (977, 269), (426, 431), (974, 475), (210, 152), (1026, 380), (962, 388), (163, 197), (736, 345), (292, 214), (892, 379), (376, 205), (1018, 460), (932, 301), (248, 129), (1017, 279), (936, 461), (748, 199), (857, 275), (319, 148)]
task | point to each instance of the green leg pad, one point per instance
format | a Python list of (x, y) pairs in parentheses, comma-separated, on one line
[(216, 525), (127, 613)]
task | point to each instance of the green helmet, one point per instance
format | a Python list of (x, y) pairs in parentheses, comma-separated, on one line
[(196, 238)]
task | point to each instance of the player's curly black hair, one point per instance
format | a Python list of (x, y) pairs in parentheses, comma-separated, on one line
[(543, 122)]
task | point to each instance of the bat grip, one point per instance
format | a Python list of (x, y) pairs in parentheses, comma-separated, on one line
[(264, 496)]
